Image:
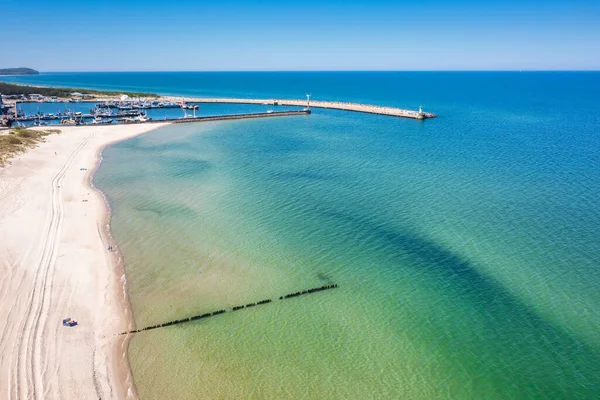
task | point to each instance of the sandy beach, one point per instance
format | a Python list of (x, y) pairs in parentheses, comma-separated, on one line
[(54, 264)]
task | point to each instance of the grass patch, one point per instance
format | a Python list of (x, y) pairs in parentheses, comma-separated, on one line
[(25, 133), (19, 140)]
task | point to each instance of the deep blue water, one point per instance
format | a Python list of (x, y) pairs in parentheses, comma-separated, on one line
[(546, 92)]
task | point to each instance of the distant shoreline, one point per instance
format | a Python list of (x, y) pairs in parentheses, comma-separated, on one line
[(7, 88), (18, 71)]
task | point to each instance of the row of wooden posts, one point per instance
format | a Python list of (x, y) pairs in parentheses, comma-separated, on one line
[(236, 308)]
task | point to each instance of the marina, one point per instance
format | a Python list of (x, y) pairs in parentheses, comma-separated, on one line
[(35, 110), (133, 112)]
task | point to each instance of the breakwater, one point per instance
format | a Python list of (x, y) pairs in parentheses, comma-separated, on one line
[(81, 120), (334, 105), (235, 308), (171, 102)]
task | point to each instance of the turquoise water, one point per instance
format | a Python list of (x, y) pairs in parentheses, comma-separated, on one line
[(466, 248)]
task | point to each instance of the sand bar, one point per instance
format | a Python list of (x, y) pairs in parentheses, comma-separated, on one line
[(54, 264)]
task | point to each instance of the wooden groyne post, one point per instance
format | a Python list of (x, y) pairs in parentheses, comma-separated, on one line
[(236, 308)]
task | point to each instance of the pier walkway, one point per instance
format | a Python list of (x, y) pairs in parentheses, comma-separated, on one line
[(335, 105)]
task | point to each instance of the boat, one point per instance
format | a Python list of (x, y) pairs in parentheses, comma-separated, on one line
[(142, 118), (39, 122), (68, 121), (125, 113), (101, 121), (101, 112), (186, 106)]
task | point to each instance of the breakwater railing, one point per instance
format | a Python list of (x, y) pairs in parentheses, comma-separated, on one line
[(236, 308), (235, 116)]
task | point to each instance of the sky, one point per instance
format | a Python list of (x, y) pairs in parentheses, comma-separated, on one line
[(267, 35)]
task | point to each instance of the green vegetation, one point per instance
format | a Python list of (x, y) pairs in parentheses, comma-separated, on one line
[(12, 89), (18, 71), (14, 140), (19, 140)]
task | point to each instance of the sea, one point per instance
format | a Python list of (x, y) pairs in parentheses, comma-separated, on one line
[(465, 248)]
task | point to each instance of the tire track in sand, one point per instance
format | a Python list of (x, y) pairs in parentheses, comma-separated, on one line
[(30, 348)]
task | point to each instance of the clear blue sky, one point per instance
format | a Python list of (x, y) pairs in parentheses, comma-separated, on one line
[(108, 35)]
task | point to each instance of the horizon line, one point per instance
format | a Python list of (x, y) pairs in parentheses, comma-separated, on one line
[(319, 70)]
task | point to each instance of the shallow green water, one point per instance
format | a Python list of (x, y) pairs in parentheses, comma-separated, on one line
[(466, 267)]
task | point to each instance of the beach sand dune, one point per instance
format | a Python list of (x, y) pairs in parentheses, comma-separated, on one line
[(54, 264)]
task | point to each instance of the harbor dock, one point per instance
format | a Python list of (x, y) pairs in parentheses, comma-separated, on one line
[(87, 120)]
